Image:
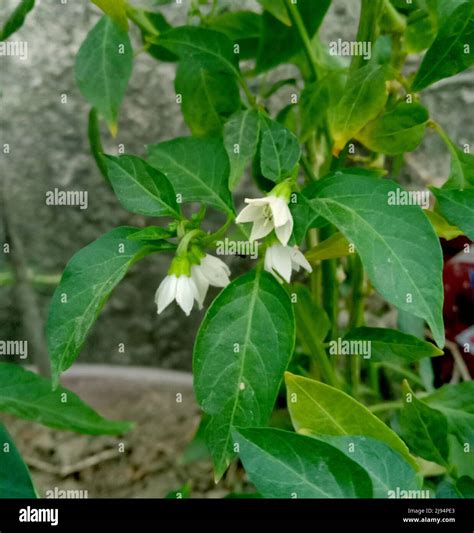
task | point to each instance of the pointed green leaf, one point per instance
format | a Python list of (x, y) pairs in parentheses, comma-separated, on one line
[(103, 67), (115, 9), (318, 409), (453, 49), (461, 488), (208, 97), (29, 396), (278, 9), (279, 150), (86, 284), (456, 402), (363, 99), (15, 479), (331, 248), (392, 346), (242, 28), (238, 366), (152, 233), (398, 130), (201, 45), (282, 464), (387, 469), (424, 429), (241, 134), (457, 207), (396, 243), (141, 188), (198, 169), (16, 19)]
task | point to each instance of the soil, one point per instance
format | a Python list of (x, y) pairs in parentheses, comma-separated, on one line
[(150, 462)]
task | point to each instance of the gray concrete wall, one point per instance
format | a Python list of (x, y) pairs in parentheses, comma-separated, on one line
[(49, 148)]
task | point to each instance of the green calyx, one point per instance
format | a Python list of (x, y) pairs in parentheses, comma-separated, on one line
[(180, 266), (283, 190)]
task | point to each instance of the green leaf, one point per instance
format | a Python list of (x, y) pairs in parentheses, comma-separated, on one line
[(461, 488), (103, 67), (278, 9), (387, 469), (305, 215), (452, 50), (86, 284), (462, 169), (29, 396), (456, 402), (208, 97), (115, 9), (314, 102), (198, 169), (398, 130), (242, 28), (334, 247), (420, 32), (238, 366), (241, 134), (443, 228), (15, 479), (457, 207), (279, 151), (152, 233), (16, 19), (280, 43), (392, 346), (318, 409), (152, 25), (424, 429), (201, 45), (363, 99), (282, 464), (397, 245), (95, 142), (141, 188)]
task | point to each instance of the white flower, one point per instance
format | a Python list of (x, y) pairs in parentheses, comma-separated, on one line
[(210, 271), (281, 260), (182, 288), (271, 212)]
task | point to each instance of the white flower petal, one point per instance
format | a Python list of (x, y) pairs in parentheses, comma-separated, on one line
[(280, 261), (280, 211), (201, 283), (215, 271), (261, 228), (284, 232), (262, 202), (298, 259), (166, 292), (185, 293), (249, 214)]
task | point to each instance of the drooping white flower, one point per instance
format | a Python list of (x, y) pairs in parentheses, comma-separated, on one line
[(210, 271), (267, 214), (180, 288), (282, 260), (178, 285)]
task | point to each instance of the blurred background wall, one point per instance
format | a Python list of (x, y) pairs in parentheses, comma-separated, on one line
[(49, 148)]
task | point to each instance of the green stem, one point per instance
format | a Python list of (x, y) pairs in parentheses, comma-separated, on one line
[(370, 12), (95, 142), (325, 364), (216, 236), (295, 17), (248, 93), (386, 406), (330, 286), (356, 313), (186, 240)]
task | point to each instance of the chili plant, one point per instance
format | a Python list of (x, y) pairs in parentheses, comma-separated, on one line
[(286, 344)]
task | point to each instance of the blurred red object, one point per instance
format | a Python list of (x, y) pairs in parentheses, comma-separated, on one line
[(458, 310)]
